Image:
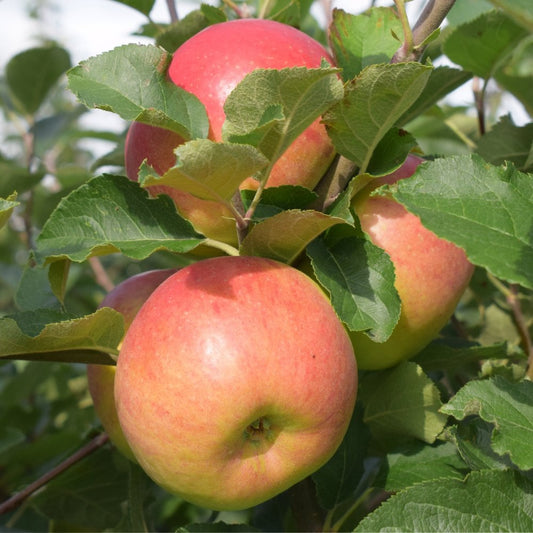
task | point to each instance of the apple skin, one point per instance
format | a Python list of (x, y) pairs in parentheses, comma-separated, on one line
[(209, 65), (431, 274), (235, 381), (126, 298)]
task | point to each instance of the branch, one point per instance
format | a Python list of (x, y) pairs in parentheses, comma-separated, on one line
[(430, 20), (172, 10), (19, 497)]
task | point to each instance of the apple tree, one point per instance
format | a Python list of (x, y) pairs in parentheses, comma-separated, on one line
[(409, 213)]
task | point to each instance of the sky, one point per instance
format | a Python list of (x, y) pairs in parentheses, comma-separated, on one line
[(89, 27)]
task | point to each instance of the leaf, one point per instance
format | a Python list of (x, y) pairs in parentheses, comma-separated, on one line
[(362, 40), (486, 210), (417, 462), (90, 494), (182, 30), (373, 103), (359, 278), (341, 475), (33, 291), (9, 438), (489, 500), (270, 108), (113, 214), (45, 335), (276, 199), (216, 527), (402, 403), (521, 11), (481, 45), (441, 354), (509, 406), (208, 170), (472, 438), (131, 81), (285, 236), (6, 208), (31, 74), (507, 142), (144, 6), (17, 178), (442, 81)]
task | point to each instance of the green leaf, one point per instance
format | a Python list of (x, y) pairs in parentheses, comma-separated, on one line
[(9, 438), (507, 142), (270, 108), (208, 170), (7, 206), (182, 30), (417, 462), (31, 74), (481, 45), (362, 40), (441, 354), (390, 152), (144, 6), (17, 178), (521, 11), (285, 236), (216, 527), (33, 291), (113, 214), (341, 475), (276, 199), (484, 209), (90, 494), (473, 440), (402, 403), (45, 335), (509, 406), (359, 278), (131, 81), (374, 102), (489, 500), (442, 81)]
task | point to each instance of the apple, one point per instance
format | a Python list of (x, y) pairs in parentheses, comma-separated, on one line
[(210, 64), (431, 273), (236, 380), (127, 298)]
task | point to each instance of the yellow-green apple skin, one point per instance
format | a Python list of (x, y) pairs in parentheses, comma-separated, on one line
[(210, 64), (236, 380), (126, 298), (431, 274)]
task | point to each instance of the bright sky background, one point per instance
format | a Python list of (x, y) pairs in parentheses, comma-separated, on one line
[(89, 27)]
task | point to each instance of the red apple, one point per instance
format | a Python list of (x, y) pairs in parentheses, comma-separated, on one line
[(431, 274), (235, 381), (127, 298), (210, 65)]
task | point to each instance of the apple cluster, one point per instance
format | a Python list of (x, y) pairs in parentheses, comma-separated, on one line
[(236, 379)]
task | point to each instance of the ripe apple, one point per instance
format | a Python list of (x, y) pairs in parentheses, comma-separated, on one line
[(127, 298), (431, 273), (209, 65), (235, 381)]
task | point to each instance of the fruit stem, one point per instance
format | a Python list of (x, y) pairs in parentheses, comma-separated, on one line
[(219, 245)]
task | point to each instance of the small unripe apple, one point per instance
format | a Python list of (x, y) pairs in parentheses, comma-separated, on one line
[(236, 380), (431, 273), (126, 298), (209, 65)]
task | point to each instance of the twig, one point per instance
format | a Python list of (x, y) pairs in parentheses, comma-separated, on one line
[(479, 99), (19, 497), (512, 297), (100, 274), (430, 20), (172, 10)]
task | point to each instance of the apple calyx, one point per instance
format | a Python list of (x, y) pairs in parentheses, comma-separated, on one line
[(259, 430)]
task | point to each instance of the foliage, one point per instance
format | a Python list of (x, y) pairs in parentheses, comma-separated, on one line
[(449, 431)]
